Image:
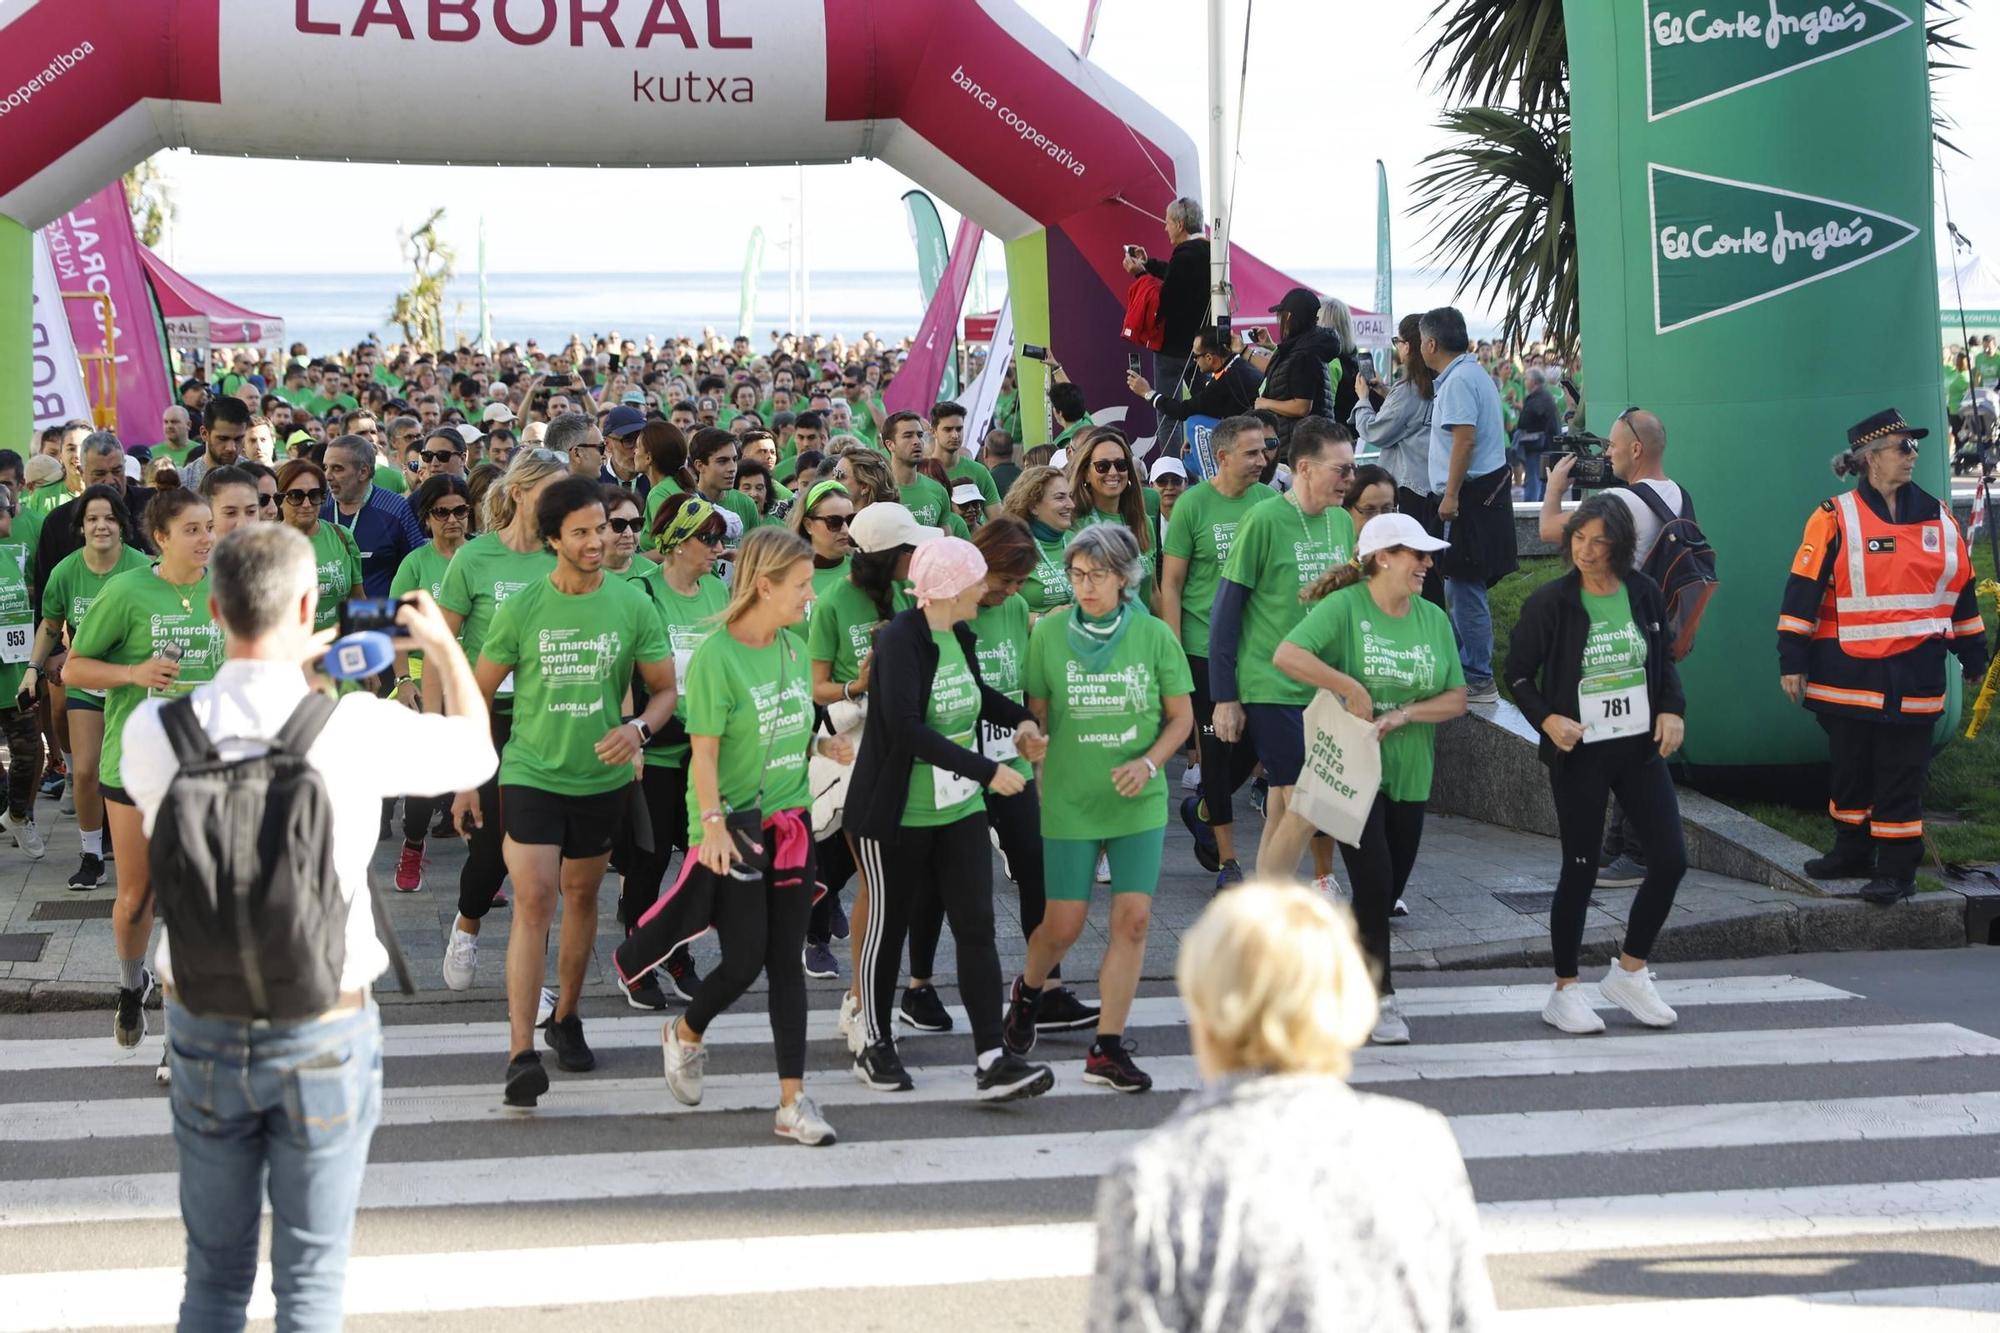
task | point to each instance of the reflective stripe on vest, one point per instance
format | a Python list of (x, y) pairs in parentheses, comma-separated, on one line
[(1884, 621)]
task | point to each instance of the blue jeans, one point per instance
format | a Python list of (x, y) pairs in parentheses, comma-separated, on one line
[(1473, 622), (292, 1103), (1532, 480)]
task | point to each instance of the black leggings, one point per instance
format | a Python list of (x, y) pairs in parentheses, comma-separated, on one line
[(418, 812), (485, 868), (836, 867), (666, 808), (1630, 768), (1225, 767), (1017, 820), (1379, 868), (24, 761), (952, 862)]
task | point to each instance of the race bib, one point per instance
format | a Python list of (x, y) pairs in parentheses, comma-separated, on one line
[(15, 641), (997, 742), (1612, 709), (506, 686), (947, 787)]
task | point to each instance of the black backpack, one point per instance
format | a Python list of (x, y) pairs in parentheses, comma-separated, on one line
[(1683, 564), (242, 866)]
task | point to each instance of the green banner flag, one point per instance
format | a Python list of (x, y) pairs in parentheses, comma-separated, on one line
[(1385, 294), (753, 276), (933, 253), (1755, 247)]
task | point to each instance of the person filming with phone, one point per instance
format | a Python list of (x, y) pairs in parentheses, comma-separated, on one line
[(1226, 387)]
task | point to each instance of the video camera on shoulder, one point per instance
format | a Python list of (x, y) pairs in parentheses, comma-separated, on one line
[(358, 615), (1593, 465)]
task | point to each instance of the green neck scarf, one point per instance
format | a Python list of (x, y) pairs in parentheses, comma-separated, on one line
[(1095, 638), (1043, 532)]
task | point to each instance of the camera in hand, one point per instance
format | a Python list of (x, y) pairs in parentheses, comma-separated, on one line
[(1593, 466), (360, 614)]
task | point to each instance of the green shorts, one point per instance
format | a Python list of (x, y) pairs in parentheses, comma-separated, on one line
[(1069, 865)]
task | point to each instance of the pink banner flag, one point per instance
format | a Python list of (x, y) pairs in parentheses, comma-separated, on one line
[(916, 384), (93, 249)]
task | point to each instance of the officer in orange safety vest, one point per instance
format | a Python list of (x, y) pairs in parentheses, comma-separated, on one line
[(1880, 589)]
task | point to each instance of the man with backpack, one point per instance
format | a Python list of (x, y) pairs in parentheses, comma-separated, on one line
[(260, 799), (1671, 551)]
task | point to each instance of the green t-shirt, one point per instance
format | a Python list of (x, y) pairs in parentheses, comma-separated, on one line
[(1614, 665), (571, 656), (1048, 586), (938, 796), (71, 589), (1002, 649), (974, 471), (1089, 516), (1400, 660), (27, 529), (17, 615), (482, 575), (759, 702), (1956, 385), (134, 612), (657, 496), (825, 579), (1201, 530), (842, 629), (1988, 369), (927, 502), (687, 622), (422, 568), (338, 560), (1101, 719), (44, 499), (1277, 552), (391, 478)]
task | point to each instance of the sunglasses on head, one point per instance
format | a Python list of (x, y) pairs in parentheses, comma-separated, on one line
[(1104, 466), (625, 525), (315, 497)]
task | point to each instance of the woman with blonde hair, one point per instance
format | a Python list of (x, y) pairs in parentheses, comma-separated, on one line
[(1105, 481), (1267, 1202), (866, 476), (1041, 498)]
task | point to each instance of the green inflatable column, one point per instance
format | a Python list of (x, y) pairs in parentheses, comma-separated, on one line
[(17, 303), (1028, 294), (1753, 207)]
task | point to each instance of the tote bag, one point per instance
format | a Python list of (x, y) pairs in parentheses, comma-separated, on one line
[(1342, 773)]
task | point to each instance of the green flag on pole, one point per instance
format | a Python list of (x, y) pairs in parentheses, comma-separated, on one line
[(753, 274), (1385, 295), (933, 253)]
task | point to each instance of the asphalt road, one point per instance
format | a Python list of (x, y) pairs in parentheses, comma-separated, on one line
[(1816, 1146)]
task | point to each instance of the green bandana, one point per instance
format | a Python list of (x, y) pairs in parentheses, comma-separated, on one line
[(1095, 638), (820, 490)]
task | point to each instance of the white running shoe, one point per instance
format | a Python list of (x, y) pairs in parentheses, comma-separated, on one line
[(29, 839), (1191, 778), (1103, 869), (1569, 1011), (461, 957), (802, 1123), (851, 1026), (68, 806), (685, 1065), (164, 1075), (545, 1007), (1634, 993), (1391, 1028), (1331, 887)]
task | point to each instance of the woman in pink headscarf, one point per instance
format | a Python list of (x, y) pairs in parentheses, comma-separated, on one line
[(917, 810)]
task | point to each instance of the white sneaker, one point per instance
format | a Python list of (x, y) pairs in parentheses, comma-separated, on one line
[(1400, 908), (461, 957), (851, 1026), (1103, 869), (68, 806), (1568, 1010), (1634, 993), (802, 1123), (1191, 778), (545, 1007), (1331, 887), (1391, 1028), (685, 1065), (29, 839), (164, 1075)]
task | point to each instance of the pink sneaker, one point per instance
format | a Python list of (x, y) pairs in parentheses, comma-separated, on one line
[(410, 869)]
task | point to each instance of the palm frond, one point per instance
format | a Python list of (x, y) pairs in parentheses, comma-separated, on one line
[(1501, 52)]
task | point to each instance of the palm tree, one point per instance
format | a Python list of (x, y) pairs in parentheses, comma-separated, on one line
[(1499, 195)]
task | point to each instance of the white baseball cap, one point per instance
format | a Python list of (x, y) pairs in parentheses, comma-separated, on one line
[(1059, 460), (470, 434), (497, 412), (966, 493), (1168, 467), (1386, 530), (887, 525)]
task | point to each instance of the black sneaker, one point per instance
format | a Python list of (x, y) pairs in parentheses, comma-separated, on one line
[(128, 1023), (644, 993), (837, 919), (880, 1068), (1109, 1065), (819, 960), (1888, 891), (1010, 1079), (89, 873), (442, 827), (1017, 1029), (682, 979), (923, 1010), (526, 1079), (1061, 1011), (1206, 851), (52, 785), (565, 1038)]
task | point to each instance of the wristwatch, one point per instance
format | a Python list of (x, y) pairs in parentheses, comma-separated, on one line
[(645, 732)]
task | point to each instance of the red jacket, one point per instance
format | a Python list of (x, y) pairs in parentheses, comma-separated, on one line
[(1144, 324)]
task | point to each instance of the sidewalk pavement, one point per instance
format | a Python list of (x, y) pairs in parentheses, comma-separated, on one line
[(1478, 898)]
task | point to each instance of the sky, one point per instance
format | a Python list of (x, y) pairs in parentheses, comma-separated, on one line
[(1351, 69)]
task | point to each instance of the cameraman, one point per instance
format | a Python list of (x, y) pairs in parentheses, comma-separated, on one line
[(1637, 449)]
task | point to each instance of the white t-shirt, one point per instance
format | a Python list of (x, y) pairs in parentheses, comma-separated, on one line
[(1643, 517)]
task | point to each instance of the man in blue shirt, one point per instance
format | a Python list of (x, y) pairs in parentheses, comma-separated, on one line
[(1471, 488), (381, 521)]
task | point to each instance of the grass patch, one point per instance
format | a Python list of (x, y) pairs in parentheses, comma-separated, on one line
[(1504, 599)]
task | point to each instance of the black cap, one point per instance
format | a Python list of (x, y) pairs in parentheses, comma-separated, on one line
[(1880, 426), (1298, 301)]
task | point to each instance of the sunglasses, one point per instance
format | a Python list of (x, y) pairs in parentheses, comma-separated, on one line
[(709, 538), (834, 522), (1105, 466), (450, 511), (1374, 511), (622, 526), (266, 501), (1907, 448), (314, 497), (440, 456)]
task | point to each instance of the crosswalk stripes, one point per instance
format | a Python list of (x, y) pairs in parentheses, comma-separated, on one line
[(1783, 1112)]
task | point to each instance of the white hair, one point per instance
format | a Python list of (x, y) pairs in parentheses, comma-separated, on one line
[(1185, 214), (1334, 314)]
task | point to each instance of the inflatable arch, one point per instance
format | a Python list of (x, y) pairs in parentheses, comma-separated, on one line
[(971, 98)]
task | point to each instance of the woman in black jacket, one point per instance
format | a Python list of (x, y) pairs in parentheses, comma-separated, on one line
[(1590, 667), (918, 816)]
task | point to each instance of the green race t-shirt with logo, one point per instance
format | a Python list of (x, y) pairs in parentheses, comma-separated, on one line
[(927, 501), (1048, 586), (939, 796), (741, 505), (1001, 635), (1089, 516), (1611, 696), (688, 622), (72, 588), (571, 656), (759, 702), (657, 496), (1099, 720), (842, 628), (1400, 660), (825, 579), (338, 561), (1201, 531), (45, 499), (422, 568), (135, 613), (1278, 551), (482, 575), (17, 615)]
